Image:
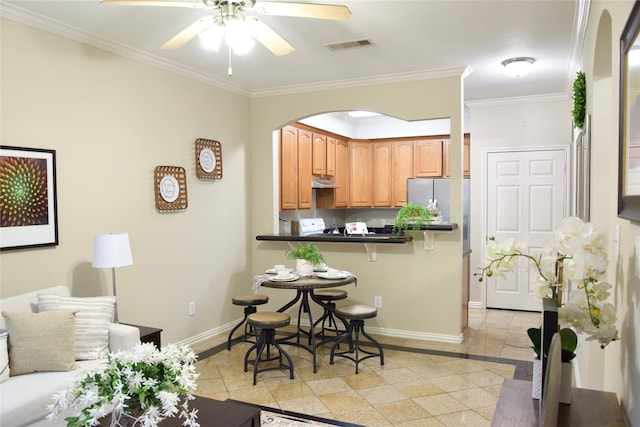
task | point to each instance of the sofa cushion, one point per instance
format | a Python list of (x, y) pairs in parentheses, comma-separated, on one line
[(25, 397), (40, 341), (93, 315), (4, 357)]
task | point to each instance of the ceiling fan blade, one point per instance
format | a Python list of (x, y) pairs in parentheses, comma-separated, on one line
[(269, 38), (304, 10), (188, 33), (170, 3)]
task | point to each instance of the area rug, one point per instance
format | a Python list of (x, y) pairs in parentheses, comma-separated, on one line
[(269, 418)]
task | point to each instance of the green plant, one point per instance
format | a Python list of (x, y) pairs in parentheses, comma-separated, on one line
[(579, 100), (568, 339), (411, 216), (309, 253)]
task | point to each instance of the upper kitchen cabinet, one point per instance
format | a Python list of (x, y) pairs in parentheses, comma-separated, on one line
[(360, 174), (446, 162), (288, 168), (402, 168), (319, 154), (295, 168), (427, 157), (305, 194), (329, 198), (382, 155), (331, 156)]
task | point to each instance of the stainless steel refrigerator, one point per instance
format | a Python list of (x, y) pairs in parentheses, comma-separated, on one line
[(422, 190)]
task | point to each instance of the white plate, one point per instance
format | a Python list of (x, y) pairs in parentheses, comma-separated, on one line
[(169, 188), (337, 276), (207, 160), (273, 270), (291, 278)]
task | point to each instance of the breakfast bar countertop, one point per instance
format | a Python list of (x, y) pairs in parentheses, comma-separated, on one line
[(381, 237)]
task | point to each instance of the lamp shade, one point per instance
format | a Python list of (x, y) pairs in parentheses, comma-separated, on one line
[(111, 250)]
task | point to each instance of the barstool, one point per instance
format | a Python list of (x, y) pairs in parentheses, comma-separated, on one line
[(249, 302), (328, 296), (356, 314), (267, 322)]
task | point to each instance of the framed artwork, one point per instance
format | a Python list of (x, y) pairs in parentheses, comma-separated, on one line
[(28, 201), (208, 159), (170, 188), (629, 133)]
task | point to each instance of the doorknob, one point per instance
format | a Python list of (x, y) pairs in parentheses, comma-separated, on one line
[(492, 238)]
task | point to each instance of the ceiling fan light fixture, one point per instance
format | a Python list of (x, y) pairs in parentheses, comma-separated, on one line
[(518, 67), (212, 37), (238, 35)]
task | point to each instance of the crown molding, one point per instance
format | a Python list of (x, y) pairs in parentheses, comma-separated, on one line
[(496, 102)]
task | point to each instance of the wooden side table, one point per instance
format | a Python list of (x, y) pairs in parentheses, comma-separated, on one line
[(148, 334)]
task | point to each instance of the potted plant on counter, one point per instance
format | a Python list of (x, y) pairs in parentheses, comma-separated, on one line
[(306, 256), (411, 217)]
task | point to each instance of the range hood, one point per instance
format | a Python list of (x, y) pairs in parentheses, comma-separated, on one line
[(323, 183)]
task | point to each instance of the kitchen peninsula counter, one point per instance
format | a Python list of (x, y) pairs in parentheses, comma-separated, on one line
[(383, 238)]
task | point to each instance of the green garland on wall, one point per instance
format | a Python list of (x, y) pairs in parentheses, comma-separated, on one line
[(579, 100)]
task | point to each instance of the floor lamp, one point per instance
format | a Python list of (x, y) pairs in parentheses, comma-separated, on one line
[(110, 251)]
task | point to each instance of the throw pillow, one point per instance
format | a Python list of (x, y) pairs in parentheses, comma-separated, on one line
[(40, 342), (4, 356), (93, 315)]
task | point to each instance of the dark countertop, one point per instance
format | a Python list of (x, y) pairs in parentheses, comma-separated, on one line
[(381, 235)]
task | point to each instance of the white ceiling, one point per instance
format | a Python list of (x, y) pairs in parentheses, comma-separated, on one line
[(412, 39)]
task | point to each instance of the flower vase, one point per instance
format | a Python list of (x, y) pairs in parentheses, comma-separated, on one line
[(304, 268), (121, 419), (565, 381)]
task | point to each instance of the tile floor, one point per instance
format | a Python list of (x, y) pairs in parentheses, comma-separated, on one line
[(422, 383)]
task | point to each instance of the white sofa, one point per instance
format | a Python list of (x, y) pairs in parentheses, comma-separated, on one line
[(24, 398)]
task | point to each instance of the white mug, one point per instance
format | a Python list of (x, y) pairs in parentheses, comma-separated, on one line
[(278, 267), (283, 274), (332, 272)]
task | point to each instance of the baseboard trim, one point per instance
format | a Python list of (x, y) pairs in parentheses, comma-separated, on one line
[(398, 333), (475, 304)]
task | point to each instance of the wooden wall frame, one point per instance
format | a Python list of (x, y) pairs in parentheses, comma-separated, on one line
[(170, 188)]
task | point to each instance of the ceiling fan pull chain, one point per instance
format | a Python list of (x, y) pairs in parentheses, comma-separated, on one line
[(229, 70)]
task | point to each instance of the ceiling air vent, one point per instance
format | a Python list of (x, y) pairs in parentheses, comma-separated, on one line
[(350, 44)]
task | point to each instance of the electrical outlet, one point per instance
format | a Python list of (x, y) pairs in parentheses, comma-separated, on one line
[(192, 309), (377, 302)]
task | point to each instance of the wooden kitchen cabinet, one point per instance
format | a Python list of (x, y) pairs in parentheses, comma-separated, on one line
[(360, 174), (427, 157), (446, 162), (382, 155), (295, 168), (402, 168), (288, 168), (319, 154), (305, 194), (329, 198), (331, 156)]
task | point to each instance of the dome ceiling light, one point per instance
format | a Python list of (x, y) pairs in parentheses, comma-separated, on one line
[(518, 67)]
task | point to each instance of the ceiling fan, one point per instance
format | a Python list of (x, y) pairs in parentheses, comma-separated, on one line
[(230, 23)]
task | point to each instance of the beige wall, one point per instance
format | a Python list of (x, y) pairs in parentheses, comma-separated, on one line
[(618, 367), (112, 121), (424, 284)]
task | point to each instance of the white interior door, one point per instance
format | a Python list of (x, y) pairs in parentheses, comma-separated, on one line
[(527, 199)]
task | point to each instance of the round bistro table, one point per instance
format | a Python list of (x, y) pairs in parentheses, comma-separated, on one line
[(304, 287)]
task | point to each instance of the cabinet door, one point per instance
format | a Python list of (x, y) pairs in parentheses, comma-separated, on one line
[(446, 160), (319, 154), (288, 168), (342, 174), (381, 152), (402, 169), (331, 156), (360, 174), (305, 195), (427, 157)]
